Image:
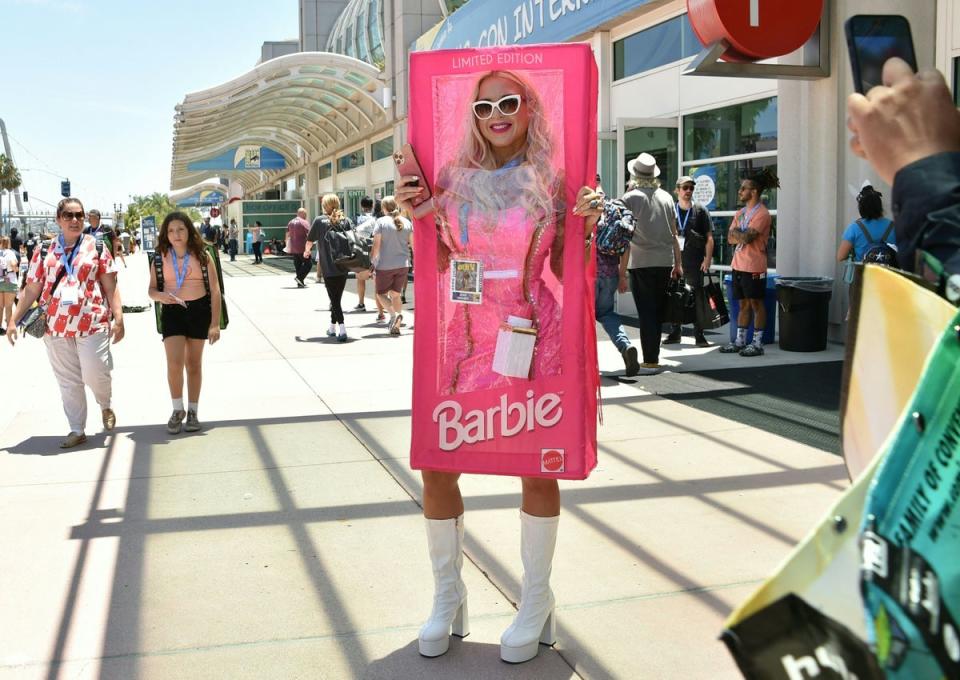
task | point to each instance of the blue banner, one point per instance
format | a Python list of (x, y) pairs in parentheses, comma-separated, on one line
[(524, 22), (202, 199), (247, 157)]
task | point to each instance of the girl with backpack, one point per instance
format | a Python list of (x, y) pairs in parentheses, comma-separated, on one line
[(334, 279), (190, 299), (871, 232)]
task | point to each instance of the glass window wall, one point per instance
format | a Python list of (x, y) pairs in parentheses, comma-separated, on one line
[(326, 170), (653, 47), (350, 161), (659, 142), (381, 149)]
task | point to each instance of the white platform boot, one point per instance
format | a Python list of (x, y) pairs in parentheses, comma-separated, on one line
[(445, 542), (534, 623)]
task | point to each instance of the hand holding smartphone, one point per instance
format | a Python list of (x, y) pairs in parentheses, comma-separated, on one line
[(407, 165), (872, 39)]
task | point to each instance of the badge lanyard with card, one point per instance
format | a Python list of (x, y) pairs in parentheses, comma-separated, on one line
[(180, 273), (466, 281), (682, 225), (70, 290)]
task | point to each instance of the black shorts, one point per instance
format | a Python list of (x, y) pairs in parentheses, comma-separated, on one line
[(192, 321), (749, 286)]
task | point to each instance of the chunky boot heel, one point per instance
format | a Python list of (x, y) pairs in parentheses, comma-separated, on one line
[(449, 614), (534, 623)]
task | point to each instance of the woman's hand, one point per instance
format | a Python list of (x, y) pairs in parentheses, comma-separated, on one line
[(705, 265), (677, 271), (622, 285), (407, 190), (12, 333), (213, 333), (589, 204)]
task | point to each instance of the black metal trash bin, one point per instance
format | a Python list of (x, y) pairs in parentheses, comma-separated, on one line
[(804, 304)]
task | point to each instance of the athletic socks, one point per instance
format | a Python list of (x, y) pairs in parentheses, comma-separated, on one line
[(193, 406), (341, 329), (757, 339), (741, 336), (178, 404)]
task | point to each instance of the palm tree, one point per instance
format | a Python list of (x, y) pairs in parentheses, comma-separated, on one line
[(10, 179)]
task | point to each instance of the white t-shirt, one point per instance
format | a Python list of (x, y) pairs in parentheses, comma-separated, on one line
[(365, 224), (9, 268)]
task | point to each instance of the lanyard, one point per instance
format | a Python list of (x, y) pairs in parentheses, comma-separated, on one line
[(747, 217), (179, 272), (67, 260), (686, 218)]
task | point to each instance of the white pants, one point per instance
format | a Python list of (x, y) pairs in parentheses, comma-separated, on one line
[(77, 362)]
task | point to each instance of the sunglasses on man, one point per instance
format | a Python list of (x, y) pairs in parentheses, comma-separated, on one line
[(507, 106)]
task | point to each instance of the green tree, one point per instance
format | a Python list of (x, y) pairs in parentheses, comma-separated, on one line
[(156, 204), (10, 179)]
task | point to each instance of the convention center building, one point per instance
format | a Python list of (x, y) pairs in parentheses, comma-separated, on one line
[(324, 113)]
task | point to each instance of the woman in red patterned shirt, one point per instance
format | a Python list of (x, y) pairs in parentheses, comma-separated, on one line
[(76, 282)]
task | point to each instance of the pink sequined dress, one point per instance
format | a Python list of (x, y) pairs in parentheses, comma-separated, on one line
[(513, 248)]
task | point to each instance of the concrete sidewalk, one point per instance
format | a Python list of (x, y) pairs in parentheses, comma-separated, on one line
[(285, 540)]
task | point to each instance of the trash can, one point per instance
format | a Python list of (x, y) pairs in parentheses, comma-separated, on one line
[(804, 303), (769, 303)]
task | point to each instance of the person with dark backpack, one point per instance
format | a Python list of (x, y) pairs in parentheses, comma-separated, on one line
[(324, 232), (870, 238), (614, 231)]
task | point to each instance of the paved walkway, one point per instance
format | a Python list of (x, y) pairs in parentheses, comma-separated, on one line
[(285, 539)]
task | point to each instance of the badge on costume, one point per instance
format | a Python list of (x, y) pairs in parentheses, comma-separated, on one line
[(466, 281)]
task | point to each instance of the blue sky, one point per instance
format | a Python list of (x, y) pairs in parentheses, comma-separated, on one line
[(89, 86)]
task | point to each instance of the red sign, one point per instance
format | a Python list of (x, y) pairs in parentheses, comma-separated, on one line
[(755, 29), (214, 212)]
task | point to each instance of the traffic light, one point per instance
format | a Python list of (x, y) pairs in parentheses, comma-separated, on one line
[(65, 188), (26, 197)]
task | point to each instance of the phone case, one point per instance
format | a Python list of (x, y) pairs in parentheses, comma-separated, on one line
[(406, 162)]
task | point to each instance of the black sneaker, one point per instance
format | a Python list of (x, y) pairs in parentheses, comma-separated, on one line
[(630, 361), (731, 348), (701, 340), (672, 339), (360, 308), (752, 350)]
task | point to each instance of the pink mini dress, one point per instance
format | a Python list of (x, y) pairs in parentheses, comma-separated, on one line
[(514, 250)]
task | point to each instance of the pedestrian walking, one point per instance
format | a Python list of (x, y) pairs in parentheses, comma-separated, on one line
[(9, 280), (695, 230), (190, 302), (654, 253), (612, 279), (257, 238), (504, 180), (366, 222), (75, 280), (334, 279), (297, 230), (750, 231), (392, 244), (233, 237)]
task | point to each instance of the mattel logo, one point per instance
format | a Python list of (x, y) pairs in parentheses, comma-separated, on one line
[(551, 460)]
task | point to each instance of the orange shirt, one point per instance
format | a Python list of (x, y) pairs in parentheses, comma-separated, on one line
[(752, 257), (192, 285)]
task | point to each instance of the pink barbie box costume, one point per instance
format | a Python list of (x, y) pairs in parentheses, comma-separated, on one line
[(504, 318)]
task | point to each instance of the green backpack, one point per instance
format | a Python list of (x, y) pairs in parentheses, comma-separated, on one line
[(212, 254)]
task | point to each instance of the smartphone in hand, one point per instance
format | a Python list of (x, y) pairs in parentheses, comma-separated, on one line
[(407, 164), (872, 39)]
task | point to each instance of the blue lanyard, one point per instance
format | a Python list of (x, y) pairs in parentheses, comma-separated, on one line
[(68, 260), (746, 217), (179, 273), (682, 225)]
